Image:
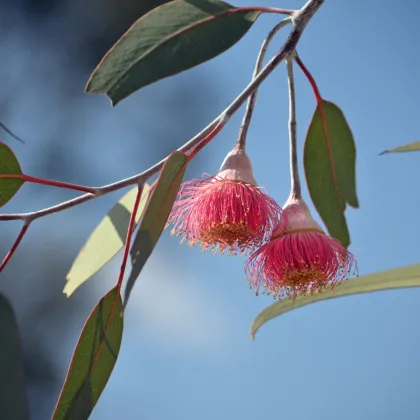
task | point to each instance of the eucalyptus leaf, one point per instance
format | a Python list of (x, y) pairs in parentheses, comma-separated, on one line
[(330, 168), (105, 241), (93, 359), (8, 165), (156, 215), (13, 397), (398, 278), (410, 147), (172, 38)]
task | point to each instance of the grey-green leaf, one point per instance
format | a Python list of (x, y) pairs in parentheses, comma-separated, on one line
[(9, 165), (13, 400), (172, 38), (93, 359), (330, 168), (156, 215), (398, 278), (410, 147), (105, 241)]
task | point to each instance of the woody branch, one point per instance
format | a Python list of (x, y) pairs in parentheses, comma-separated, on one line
[(300, 19)]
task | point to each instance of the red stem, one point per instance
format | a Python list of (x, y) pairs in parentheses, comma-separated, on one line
[(123, 265), (14, 246), (310, 78), (207, 139), (129, 236), (42, 181)]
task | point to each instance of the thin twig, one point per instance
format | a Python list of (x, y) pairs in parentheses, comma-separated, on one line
[(14, 246), (11, 134), (243, 131), (49, 182), (300, 20), (263, 9), (294, 169), (210, 136)]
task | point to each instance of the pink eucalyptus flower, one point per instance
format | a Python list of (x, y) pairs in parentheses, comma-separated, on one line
[(300, 258), (225, 211)]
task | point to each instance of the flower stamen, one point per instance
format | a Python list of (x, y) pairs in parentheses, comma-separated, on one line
[(299, 259), (227, 211)]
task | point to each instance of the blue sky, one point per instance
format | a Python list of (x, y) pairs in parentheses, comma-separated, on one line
[(186, 351)]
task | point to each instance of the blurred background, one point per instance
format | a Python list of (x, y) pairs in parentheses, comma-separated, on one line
[(186, 352)]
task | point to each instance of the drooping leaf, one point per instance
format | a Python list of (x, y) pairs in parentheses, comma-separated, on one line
[(8, 165), (398, 278), (93, 359), (13, 402), (105, 241), (410, 147), (330, 168), (156, 215), (172, 38)]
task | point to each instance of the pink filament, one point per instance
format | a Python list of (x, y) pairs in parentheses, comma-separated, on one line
[(299, 263), (220, 214)]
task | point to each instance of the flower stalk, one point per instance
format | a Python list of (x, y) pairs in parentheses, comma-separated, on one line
[(243, 131), (296, 191)]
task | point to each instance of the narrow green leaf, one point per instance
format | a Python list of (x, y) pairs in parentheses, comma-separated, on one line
[(105, 241), (13, 402), (156, 215), (410, 147), (8, 165), (172, 38), (93, 359), (330, 169), (398, 278)]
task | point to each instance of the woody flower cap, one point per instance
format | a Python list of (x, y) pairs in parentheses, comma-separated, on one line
[(227, 211), (300, 259)]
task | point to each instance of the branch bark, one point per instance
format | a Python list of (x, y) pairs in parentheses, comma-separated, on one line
[(300, 19)]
